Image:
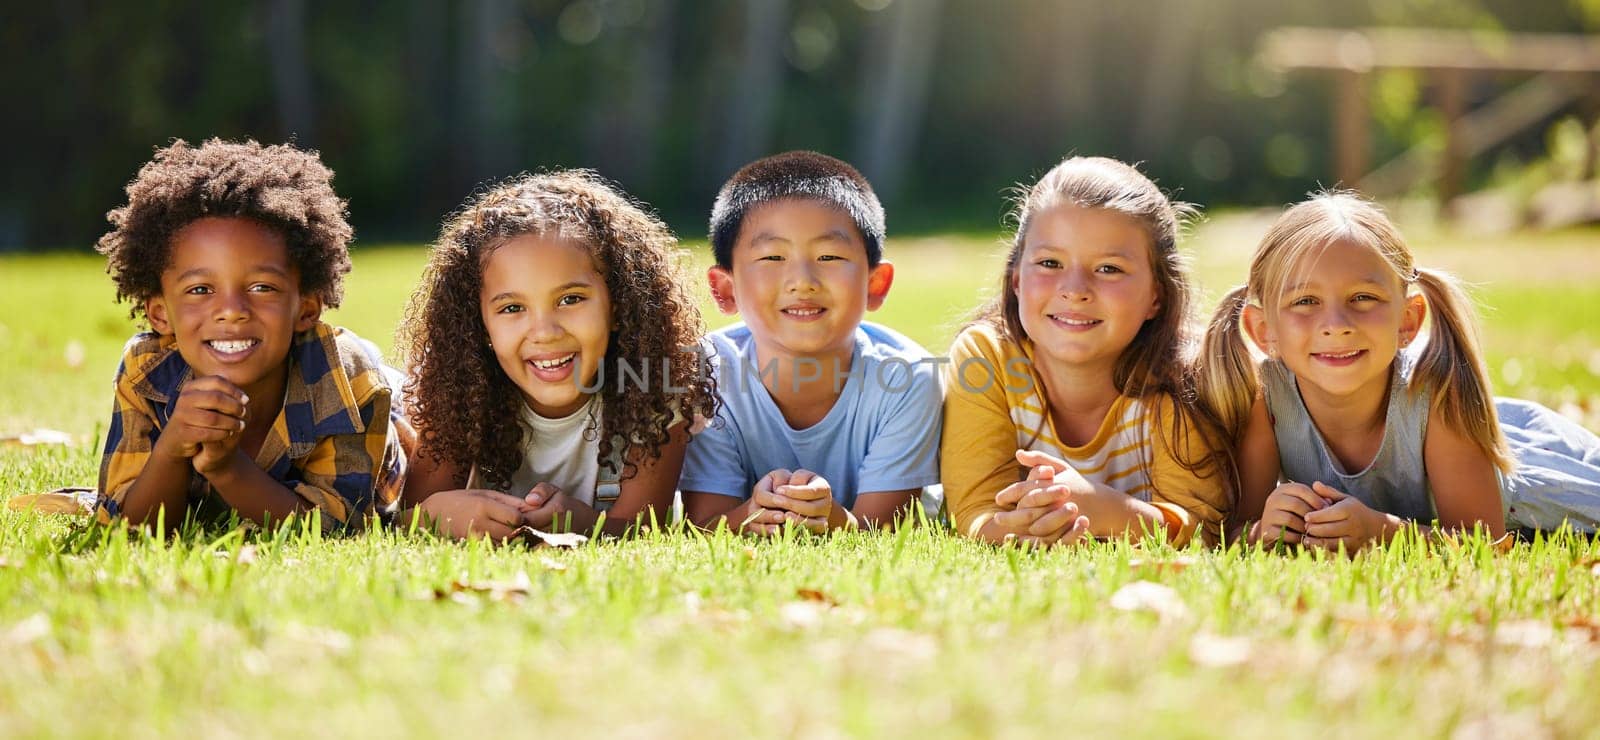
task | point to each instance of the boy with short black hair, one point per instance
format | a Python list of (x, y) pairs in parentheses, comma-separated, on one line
[(826, 421), (241, 399)]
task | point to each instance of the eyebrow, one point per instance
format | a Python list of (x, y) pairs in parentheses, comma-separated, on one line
[(1370, 280), (1118, 252), (829, 235), (512, 294), (201, 272)]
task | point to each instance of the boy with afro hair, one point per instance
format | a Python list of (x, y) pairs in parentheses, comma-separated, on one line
[(240, 398), (826, 421)]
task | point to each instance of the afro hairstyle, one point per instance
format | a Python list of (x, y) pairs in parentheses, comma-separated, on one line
[(285, 189), (798, 174)]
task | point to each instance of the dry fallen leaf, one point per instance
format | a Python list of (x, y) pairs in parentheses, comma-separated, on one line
[(1149, 596), (36, 438), (512, 590), (72, 501), (553, 539), (811, 594)]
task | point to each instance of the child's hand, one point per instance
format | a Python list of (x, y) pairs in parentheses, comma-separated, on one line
[(1065, 474), (1345, 521), (1039, 511), (473, 513), (800, 497), (206, 424), (556, 511), (1283, 515)]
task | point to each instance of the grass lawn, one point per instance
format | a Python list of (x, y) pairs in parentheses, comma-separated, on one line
[(912, 633)]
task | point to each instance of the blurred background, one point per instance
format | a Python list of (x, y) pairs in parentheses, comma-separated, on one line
[(944, 104)]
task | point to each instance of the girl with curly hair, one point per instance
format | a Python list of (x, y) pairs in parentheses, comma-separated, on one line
[(551, 347)]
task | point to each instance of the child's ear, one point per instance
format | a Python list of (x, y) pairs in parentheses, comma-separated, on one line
[(1411, 320), (1155, 308), (310, 312), (1255, 327), (721, 280), (155, 311), (878, 283)]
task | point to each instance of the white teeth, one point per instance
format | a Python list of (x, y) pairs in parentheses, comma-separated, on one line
[(552, 364), (803, 311), (1347, 355), (1076, 322), (230, 347)]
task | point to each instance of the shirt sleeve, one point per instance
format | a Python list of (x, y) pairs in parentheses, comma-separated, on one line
[(130, 439), (904, 452), (713, 463), (978, 451), (350, 477), (1189, 489)]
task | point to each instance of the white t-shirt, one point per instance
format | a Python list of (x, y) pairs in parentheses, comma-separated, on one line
[(562, 453)]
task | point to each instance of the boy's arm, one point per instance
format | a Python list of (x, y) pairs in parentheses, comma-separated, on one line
[(347, 477), (713, 480), (136, 480)]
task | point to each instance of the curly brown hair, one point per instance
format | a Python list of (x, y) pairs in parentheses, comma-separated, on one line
[(281, 187), (464, 406)]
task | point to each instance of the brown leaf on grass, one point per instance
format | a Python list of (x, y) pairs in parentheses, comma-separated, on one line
[(1592, 565), (553, 539), (811, 594), (36, 438), (513, 590), (71, 501), (1157, 567)]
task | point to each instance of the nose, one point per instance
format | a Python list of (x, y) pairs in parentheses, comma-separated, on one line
[(1335, 323), (800, 277), (543, 327), (232, 306), (1075, 285)]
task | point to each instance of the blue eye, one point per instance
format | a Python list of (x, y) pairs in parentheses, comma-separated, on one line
[(1304, 301)]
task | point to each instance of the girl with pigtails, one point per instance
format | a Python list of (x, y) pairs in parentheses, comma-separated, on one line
[(1372, 409)]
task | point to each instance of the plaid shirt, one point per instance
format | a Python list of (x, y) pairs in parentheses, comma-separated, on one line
[(332, 444)]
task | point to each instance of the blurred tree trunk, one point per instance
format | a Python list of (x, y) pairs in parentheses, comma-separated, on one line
[(426, 125), (485, 144), (622, 139), (291, 76), (898, 60), (750, 105), (1168, 63)]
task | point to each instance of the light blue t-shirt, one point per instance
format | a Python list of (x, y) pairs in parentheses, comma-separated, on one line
[(881, 435)]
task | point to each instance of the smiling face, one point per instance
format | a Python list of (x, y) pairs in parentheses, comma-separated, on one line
[(232, 300), (1339, 320), (1084, 284), (800, 280), (548, 315)]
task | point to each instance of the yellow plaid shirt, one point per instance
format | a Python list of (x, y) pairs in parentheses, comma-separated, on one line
[(332, 443)]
